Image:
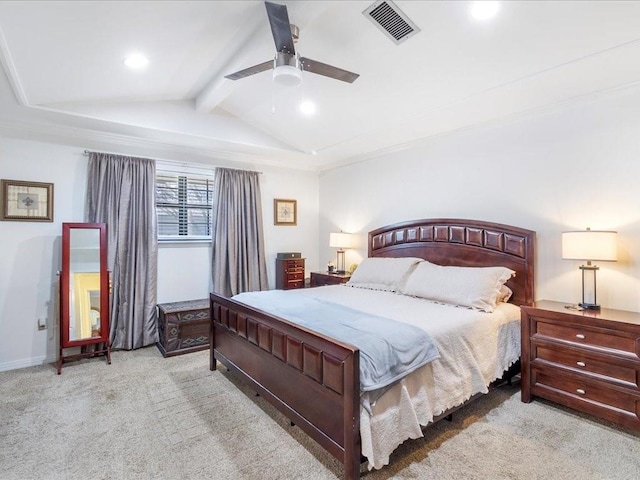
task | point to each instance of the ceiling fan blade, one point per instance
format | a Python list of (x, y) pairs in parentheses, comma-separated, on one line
[(261, 67), (280, 27), (320, 68)]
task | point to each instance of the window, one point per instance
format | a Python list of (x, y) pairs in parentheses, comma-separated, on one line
[(183, 204)]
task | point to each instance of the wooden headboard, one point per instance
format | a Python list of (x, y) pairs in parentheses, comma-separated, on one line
[(469, 243)]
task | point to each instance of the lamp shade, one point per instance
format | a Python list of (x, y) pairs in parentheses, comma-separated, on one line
[(340, 240), (590, 245)]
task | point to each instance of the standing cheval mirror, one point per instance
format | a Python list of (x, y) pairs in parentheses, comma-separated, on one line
[(84, 292)]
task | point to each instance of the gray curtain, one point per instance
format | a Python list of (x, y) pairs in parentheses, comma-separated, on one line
[(121, 193), (238, 258)]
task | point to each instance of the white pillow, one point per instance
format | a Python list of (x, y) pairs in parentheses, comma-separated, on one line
[(382, 273), (473, 287), (505, 294)]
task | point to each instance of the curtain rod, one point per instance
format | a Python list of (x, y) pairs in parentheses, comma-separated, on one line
[(180, 164)]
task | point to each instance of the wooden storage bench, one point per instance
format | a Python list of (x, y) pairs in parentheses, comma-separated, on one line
[(183, 327)]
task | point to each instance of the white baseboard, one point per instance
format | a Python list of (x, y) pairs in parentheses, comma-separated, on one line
[(27, 362)]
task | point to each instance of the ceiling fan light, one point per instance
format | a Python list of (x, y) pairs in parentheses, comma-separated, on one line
[(287, 75)]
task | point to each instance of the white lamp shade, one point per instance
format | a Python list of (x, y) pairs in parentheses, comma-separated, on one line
[(590, 245), (340, 240)]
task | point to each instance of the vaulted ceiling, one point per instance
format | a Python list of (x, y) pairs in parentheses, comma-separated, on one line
[(64, 73)]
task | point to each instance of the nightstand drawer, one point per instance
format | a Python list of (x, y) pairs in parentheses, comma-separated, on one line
[(587, 336), (297, 275), (580, 393), (581, 361)]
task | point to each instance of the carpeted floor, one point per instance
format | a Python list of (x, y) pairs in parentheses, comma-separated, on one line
[(147, 417)]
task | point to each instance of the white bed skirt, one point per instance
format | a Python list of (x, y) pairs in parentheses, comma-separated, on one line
[(475, 349)]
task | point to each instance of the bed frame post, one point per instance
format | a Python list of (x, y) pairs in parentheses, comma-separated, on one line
[(213, 363), (352, 442)]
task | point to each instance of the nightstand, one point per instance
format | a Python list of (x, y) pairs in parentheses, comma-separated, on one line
[(319, 279), (587, 360)]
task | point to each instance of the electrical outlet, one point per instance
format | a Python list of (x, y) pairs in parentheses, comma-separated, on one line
[(42, 323)]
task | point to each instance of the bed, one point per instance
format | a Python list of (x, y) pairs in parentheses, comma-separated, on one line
[(314, 379)]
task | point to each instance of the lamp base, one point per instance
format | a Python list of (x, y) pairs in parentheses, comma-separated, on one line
[(340, 265), (589, 306)]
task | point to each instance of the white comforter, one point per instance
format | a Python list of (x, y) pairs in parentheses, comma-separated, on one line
[(475, 349)]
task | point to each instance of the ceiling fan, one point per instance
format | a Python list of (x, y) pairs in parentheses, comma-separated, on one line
[(288, 65)]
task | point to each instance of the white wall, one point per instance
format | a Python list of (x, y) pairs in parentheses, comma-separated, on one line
[(30, 251), (558, 171)]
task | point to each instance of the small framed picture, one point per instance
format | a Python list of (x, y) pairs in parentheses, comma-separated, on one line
[(285, 212), (26, 201)]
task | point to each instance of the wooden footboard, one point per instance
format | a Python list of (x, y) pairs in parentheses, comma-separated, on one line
[(312, 379)]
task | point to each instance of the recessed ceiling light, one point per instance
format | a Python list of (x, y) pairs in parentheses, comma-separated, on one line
[(483, 10), (308, 107), (136, 61)]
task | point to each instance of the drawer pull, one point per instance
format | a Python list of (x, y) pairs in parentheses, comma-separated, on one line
[(581, 364), (580, 336), (581, 392)]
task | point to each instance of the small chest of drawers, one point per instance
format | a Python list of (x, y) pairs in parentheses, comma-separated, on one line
[(289, 273), (584, 359)]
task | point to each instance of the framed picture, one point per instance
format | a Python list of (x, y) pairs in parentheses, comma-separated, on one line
[(26, 201), (285, 212)]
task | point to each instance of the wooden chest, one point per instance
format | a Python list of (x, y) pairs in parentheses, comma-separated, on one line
[(183, 327)]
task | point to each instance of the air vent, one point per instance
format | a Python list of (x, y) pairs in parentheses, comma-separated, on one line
[(391, 20)]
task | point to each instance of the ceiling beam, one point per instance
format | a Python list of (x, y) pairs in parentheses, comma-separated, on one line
[(12, 74), (219, 87), (213, 94)]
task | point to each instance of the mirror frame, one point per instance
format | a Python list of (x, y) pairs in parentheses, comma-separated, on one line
[(65, 341)]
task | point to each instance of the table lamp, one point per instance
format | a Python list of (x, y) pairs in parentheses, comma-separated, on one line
[(589, 245), (340, 241)]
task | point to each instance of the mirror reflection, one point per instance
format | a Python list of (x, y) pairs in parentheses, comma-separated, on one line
[(84, 283)]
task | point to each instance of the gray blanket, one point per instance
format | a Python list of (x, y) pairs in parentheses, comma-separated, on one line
[(389, 350)]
